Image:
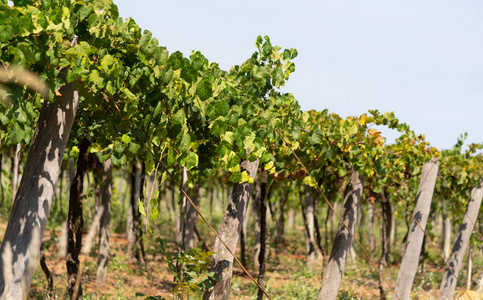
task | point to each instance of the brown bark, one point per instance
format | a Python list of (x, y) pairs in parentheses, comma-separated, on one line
[(34, 196), (332, 274), (415, 235), (229, 231), (385, 228), (75, 223), (133, 213), (384, 241), (256, 229), (262, 257)]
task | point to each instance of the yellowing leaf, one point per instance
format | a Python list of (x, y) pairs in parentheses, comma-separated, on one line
[(246, 177), (374, 132)]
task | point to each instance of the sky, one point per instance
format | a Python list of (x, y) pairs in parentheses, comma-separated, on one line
[(421, 59)]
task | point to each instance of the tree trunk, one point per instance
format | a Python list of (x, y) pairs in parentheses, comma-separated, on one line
[(372, 240), (332, 274), (132, 214), (75, 223), (2, 192), (183, 211), (318, 235), (415, 237), (15, 168), (229, 231), (190, 220), (384, 240), (105, 208), (280, 224), (307, 202), (257, 210), (385, 229), (393, 227), (470, 268), (262, 258), (455, 261), (46, 270), (446, 232), (174, 206), (291, 219), (140, 253), (34, 196)]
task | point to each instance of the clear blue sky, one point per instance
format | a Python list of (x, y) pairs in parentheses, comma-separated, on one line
[(421, 59)]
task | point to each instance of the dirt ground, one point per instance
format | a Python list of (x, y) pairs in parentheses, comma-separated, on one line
[(287, 276)]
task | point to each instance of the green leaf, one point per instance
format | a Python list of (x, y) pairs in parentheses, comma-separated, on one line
[(236, 177), (6, 33), (18, 133), (118, 161), (184, 144), (233, 161), (84, 11), (118, 147), (218, 127), (204, 89), (171, 156), (316, 137), (125, 139), (217, 108), (178, 117), (188, 160), (149, 163), (106, 62), (141, 207), (133, 148), (96, 79)]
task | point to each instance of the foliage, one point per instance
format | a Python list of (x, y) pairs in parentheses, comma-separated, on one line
[(191, 271)]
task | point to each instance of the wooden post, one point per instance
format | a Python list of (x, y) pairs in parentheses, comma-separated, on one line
[(33, 200), (409, 263), (332, 274), (455, 261), (229, 231)]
